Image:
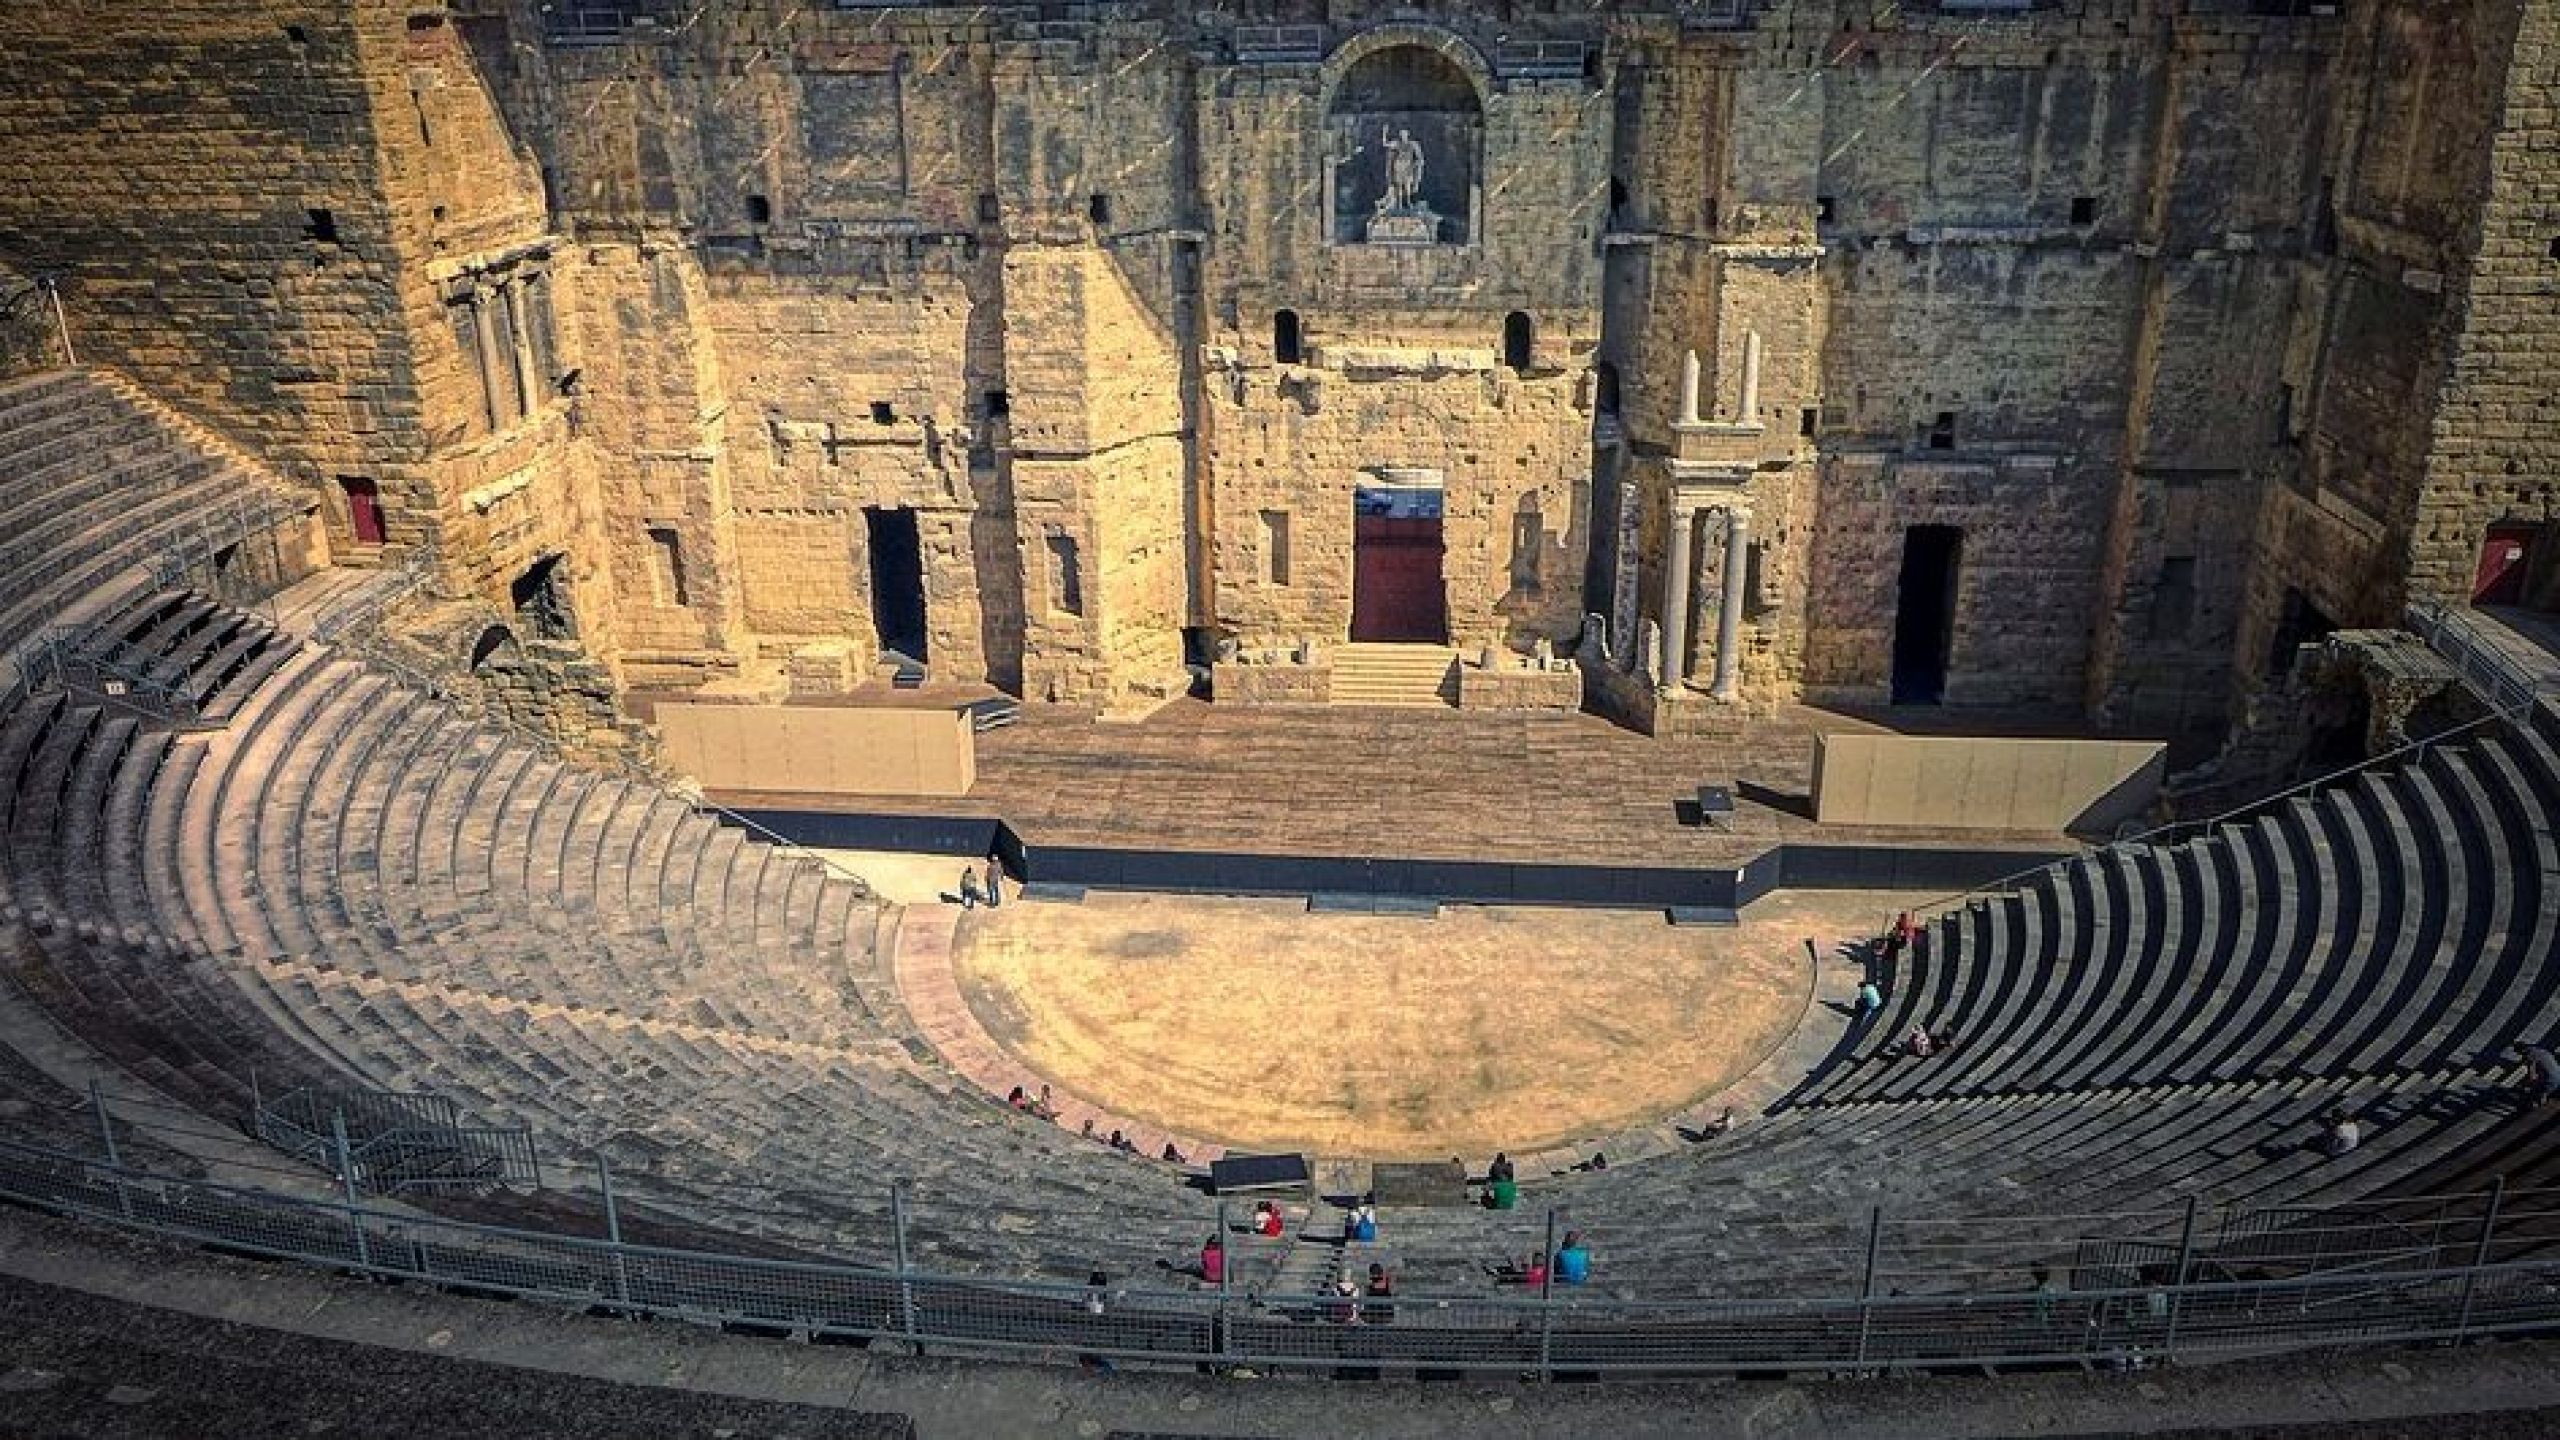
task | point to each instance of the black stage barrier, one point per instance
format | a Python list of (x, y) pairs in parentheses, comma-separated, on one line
[(1481, 882)]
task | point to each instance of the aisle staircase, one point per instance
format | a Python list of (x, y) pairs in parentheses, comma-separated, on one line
[(1412, 676)]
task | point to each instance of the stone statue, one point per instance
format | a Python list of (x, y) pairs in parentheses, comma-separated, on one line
[(1404, 172)]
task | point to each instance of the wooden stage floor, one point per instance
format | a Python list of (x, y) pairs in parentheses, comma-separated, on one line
[(1389, 783)]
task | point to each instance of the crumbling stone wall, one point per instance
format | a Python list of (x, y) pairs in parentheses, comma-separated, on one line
[(2421, 102), (2495, 436)]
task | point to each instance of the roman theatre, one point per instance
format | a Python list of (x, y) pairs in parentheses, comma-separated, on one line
[(846, 671)]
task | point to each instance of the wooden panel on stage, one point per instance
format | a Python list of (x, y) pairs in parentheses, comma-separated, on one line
[(1976, 783), (821, 749)]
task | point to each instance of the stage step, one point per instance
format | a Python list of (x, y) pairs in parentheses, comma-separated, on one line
[(1419, 676)]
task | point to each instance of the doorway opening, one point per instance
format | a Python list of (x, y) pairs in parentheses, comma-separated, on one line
[(541, 600), (2299, 623), (1397, 595), (364, 508), (2506, 559), (897, 582), (1924, 627)]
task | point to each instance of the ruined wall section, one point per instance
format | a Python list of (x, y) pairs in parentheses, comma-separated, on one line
[(2223, 227), (1981, 303), (203, 177), (479, 304), (2496, 437), (2405, 156)]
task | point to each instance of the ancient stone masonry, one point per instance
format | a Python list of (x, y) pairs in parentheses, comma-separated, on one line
[(2083, 354)]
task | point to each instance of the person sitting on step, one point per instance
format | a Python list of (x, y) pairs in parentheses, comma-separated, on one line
[(2339, 1133), (1268, 1222), (1573, 1260), (1380, 1308), (2542, 1073), (1213, 1259), (1919, 1044)]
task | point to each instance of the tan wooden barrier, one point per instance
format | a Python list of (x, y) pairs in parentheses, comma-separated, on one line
[(821, 749), (1974, 783)]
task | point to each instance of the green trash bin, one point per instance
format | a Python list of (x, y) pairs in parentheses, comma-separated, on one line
[(1506, 1194)]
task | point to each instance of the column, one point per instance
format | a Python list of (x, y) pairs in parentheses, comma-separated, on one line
[(1689, 389), (1750, 379), (1675, 597), (1737, 559), (519, 347), (484, 330)]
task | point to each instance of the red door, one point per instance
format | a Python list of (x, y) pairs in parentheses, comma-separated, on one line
[(364, 508), (1396, 593), (2505, 556)]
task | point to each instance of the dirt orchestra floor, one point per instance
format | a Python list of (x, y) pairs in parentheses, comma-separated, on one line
[(1258, 1024)]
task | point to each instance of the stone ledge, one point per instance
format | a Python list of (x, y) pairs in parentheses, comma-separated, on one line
[(1513, 685), (1292, 684)]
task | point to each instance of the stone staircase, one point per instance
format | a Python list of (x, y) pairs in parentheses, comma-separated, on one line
[(1409, 676)]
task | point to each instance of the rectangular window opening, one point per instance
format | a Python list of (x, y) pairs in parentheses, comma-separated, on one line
[(999, 405), (883, 413), (1066, 581), (666, 554), (2084, 209), (321, 226), (1942, 432), (1275, 546), (2173, 599)]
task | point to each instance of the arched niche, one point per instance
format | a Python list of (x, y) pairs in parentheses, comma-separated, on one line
[(1404, 134), (494, 645)]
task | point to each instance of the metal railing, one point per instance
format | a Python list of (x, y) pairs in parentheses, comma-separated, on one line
[(387, 1142), (2497, 675), (60, 658), (2155, 1309)]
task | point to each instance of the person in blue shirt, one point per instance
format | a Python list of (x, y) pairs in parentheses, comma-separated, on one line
[(1573, 1259)]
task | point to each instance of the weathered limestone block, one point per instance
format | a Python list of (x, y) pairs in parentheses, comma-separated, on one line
[(1513, 684)]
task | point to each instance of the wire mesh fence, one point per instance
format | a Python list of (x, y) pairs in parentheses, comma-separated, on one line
[(2140, 1305)]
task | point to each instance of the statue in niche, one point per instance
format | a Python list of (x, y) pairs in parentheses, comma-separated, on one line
[(1404, 172), (1401, 217)]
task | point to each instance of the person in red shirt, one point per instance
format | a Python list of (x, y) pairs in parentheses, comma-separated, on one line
[(1213, 1260)]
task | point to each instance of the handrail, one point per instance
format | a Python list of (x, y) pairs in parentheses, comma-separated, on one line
[(2150, 836)]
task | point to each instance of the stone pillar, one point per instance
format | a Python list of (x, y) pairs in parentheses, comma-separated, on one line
[(1689, 389), (520, 347), (484, 330), (1737, 559), (1675, 596), (1750, 379)]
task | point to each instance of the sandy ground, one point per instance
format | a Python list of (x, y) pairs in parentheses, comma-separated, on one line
[(1261, 1025)]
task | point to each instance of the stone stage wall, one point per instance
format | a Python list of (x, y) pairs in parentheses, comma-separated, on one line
[(2207, 328)]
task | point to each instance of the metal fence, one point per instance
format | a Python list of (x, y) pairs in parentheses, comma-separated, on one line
[(2157, 1305), (2455, 635), (389, 1142)]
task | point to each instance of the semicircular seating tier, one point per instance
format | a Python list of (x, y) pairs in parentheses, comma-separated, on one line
[(342, 879)]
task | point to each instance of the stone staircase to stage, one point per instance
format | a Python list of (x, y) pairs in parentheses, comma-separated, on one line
[(1412, 676)]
